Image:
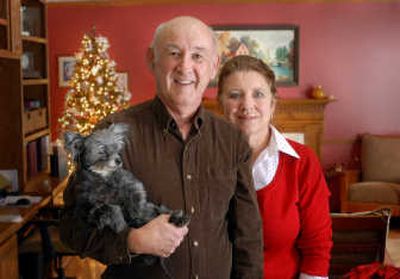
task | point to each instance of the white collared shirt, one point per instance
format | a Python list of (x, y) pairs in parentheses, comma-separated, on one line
[(266, 165)]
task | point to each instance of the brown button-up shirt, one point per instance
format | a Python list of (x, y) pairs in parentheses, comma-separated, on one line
[(208, 175)]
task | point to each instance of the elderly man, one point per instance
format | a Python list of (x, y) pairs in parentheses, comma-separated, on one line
[(187, 159)]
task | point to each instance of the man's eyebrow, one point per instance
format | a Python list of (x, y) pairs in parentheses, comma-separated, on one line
[(171, 46)]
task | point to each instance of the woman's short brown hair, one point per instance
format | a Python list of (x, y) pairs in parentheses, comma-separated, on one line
[(246, 63)]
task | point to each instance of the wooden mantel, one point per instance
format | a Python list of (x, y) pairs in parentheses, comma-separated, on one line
[(299, 119)]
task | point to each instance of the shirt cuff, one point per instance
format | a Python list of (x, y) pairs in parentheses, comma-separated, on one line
[(306, 276)]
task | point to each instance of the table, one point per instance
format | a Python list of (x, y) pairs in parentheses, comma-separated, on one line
[(45, 186)]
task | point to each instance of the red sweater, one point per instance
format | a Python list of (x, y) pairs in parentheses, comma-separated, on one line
[(296, 221)]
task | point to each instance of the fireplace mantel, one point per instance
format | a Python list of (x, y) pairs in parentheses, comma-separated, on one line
[(299, 119)]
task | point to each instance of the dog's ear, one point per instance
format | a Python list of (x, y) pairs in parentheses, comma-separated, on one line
[(73, 143), (119, 131)]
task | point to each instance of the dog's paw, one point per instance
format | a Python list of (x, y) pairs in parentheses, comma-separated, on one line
[(179, 218)]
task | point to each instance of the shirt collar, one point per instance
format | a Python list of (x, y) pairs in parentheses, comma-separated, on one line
[(167, 122), (281, 143)]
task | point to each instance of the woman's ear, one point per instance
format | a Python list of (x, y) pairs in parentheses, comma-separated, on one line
[(274, 101)]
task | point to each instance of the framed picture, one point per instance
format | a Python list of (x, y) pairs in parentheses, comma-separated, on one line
[(276, 45), (28, 65), (66, 68), (122, 81)]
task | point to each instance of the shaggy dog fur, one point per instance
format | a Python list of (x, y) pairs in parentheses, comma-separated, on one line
[(109, 196)]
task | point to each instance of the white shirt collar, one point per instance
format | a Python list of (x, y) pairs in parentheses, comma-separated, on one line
[(266, 164), (282, 144)]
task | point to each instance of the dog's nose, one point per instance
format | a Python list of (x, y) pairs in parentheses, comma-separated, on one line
[(118, 161)]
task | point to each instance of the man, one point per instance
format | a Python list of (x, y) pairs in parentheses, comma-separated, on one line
[(187, 159)]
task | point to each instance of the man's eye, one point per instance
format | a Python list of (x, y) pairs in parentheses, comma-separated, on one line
[(174, 53), (197, 57)]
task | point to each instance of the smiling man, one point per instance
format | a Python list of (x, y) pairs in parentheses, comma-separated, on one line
[(187, 159)]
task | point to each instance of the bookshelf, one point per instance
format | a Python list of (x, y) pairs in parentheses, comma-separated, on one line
[(10, 44), (24, 105)]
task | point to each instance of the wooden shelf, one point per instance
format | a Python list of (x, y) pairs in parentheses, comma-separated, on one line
[(36, 135), (34, 39), (35, 81), (8, 54), (3, 22)]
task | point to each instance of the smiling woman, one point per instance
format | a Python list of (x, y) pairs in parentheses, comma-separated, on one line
[(291, 190)]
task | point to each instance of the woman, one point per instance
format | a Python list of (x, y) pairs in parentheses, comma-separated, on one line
[(291, 190)]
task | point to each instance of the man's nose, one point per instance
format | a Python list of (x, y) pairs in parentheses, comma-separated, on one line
[(185, 62)]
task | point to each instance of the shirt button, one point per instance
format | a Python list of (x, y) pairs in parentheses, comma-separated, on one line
[(195, 243), (189, 177), (192, 210)]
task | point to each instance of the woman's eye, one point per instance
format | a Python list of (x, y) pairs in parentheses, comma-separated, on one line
[(258, 94), (233, 95)]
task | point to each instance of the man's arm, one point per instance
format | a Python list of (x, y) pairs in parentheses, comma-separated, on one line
[(246, 226)]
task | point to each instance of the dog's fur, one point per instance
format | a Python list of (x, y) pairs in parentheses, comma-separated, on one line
[(109, 196)]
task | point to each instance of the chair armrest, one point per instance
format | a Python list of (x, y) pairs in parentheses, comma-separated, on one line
[(339, 181), (348, 177)]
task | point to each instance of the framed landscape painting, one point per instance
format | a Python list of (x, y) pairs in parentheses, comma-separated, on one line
[(276, 45)]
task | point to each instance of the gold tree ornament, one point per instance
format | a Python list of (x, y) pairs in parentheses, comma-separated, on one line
[(93, 92)]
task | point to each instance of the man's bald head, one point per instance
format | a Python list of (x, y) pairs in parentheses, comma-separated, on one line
[(188, 22)]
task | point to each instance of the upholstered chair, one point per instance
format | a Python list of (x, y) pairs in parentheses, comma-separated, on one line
[(376, 183)]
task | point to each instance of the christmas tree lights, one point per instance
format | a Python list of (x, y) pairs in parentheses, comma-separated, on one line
[(93, 92)]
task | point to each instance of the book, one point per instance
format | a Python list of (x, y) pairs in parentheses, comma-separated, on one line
[(10, 218), (43, 153), (32, 158)]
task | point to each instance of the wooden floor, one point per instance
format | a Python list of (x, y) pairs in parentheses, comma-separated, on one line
[(393, 248)]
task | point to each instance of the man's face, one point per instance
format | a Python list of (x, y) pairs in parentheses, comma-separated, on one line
[(183, 61)]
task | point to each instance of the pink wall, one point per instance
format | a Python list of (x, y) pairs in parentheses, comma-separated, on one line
[(352, 50)]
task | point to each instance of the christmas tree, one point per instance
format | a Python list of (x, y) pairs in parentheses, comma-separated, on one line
[(93, 92)]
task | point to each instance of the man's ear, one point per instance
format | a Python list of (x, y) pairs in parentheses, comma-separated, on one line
[(150, 58)]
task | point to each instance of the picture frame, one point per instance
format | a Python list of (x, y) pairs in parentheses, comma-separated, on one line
[(66, 68), (122, 81), (28, 65), (276, 45)]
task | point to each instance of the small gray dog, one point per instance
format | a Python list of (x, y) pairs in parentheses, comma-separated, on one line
[(108, 195)]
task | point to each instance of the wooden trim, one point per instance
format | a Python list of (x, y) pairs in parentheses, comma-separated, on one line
[(15, 24), (34, 39), (35, 81), (149, 2), (37, 135), (8, 54)]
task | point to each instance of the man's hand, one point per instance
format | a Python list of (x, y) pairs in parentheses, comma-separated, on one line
[(158, 237)]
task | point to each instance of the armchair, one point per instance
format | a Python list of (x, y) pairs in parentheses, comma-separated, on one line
[(375, 182)]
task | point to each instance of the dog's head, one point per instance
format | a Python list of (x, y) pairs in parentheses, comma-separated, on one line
[(98, 152)]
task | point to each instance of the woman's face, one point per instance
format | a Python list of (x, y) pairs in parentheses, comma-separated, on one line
[(247, 102)]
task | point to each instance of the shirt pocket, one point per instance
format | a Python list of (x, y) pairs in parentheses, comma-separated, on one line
[(218, 190)]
